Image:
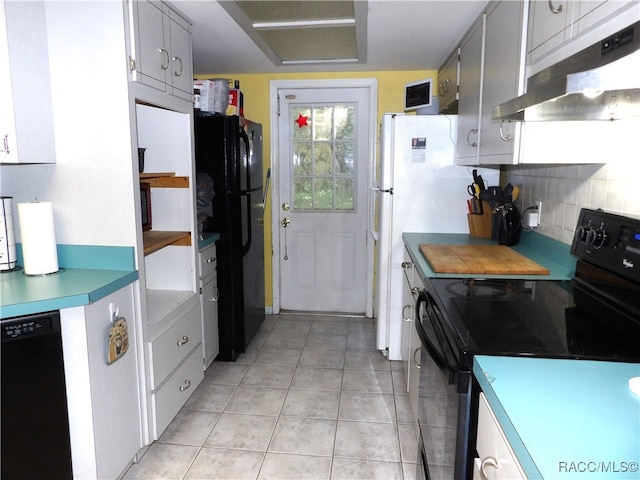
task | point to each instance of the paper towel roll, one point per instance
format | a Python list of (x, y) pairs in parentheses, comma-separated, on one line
[(38, 235)]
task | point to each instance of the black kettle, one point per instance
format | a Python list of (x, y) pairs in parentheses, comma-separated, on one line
[(510, 228)]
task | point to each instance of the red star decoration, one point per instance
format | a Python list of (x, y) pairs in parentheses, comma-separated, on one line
[(302, 121)]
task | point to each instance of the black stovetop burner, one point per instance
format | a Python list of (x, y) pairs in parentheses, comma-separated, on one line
[(594, 316), (556, 319), (485, 289)]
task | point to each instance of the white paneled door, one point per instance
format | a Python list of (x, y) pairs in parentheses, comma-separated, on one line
[(324, 156)]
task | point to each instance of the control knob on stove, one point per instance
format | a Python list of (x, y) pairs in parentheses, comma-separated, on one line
[(583, 233), (598, 237)]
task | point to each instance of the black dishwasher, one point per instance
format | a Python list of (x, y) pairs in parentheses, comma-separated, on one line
[(35, 424)]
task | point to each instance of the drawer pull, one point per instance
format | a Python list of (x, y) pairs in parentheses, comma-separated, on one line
[(487, 462), (419, 352), (184, 340), (211, 260), (407, 265), (405, 317), (187, 384)]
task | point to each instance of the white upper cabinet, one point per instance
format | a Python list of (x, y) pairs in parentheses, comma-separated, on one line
[(8, 151), (471, 50), (448, 79), (503, 79), (491, 72), (548, 25), (161, 56), (25, 93), (576, 24), (590, 13)]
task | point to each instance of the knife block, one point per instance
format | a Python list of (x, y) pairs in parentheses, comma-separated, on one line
[(481, 225)]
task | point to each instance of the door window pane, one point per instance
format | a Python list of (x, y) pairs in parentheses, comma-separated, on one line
[(323, 157)]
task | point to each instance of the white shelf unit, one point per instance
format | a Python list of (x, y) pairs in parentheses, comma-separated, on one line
[(170, 270)]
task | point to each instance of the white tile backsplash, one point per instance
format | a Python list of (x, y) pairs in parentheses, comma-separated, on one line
[(565, 189)]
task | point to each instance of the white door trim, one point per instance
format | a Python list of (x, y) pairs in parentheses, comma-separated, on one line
[(274, 87)]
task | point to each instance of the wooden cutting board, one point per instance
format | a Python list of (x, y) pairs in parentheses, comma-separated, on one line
[(483, 259)]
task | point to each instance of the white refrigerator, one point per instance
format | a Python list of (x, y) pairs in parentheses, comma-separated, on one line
[(418, 189)]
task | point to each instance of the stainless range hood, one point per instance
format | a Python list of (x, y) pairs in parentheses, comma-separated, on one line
[(601, 82)]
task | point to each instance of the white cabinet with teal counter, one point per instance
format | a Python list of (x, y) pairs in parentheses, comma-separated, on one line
[(104, 399), (88, 274), (95, 287), (565, 419)]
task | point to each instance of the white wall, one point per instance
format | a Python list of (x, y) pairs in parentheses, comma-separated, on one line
[(91, 185)]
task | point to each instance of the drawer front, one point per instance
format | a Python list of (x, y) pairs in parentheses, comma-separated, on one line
[(173, 346), (496, 456), (173, 395), (207, 259)]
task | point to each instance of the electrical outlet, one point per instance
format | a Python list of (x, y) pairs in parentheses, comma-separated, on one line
[(539, 203)]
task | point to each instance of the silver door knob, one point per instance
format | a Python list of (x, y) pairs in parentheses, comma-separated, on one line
[(286, 207)]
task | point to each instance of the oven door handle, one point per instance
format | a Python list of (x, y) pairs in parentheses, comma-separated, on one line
[(431, 349)]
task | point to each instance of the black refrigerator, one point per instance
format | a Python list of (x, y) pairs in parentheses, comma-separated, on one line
[(229, 150)]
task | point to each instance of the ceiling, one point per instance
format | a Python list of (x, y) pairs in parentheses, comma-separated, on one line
[(400, 35)]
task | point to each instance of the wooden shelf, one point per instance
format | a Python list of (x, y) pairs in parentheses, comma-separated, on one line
[(155, 240), (165, 180)]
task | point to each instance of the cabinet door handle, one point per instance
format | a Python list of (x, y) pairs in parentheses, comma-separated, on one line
[(5, 143), (184, 340), (443, 86), (165, 58), (508, 137), (407, 265), (211, 260), (415, 291), (404, 316), (216, 295), (554, 10), (175, 72), (487, 462), (417, 350), (472, 131), (187, 384)]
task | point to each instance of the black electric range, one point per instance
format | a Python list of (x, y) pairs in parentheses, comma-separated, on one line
[(558, 319), (594, 316)]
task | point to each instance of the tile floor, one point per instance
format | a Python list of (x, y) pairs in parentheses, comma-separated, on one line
[(310, 399)]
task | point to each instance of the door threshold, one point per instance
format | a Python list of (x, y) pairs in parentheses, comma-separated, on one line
[(324, 314)]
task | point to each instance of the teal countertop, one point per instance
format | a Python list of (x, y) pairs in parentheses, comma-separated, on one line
[(208, 239), (543, 250), (88, 273), (565, 419)]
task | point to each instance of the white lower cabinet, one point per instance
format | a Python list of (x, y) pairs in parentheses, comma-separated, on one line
[(104, 400), (209, 295), (169, 399), (412, 345), (170, 348), (176, 367), (496, 459)]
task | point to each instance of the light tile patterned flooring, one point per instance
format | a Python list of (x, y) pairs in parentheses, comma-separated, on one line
[(310, 399)]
